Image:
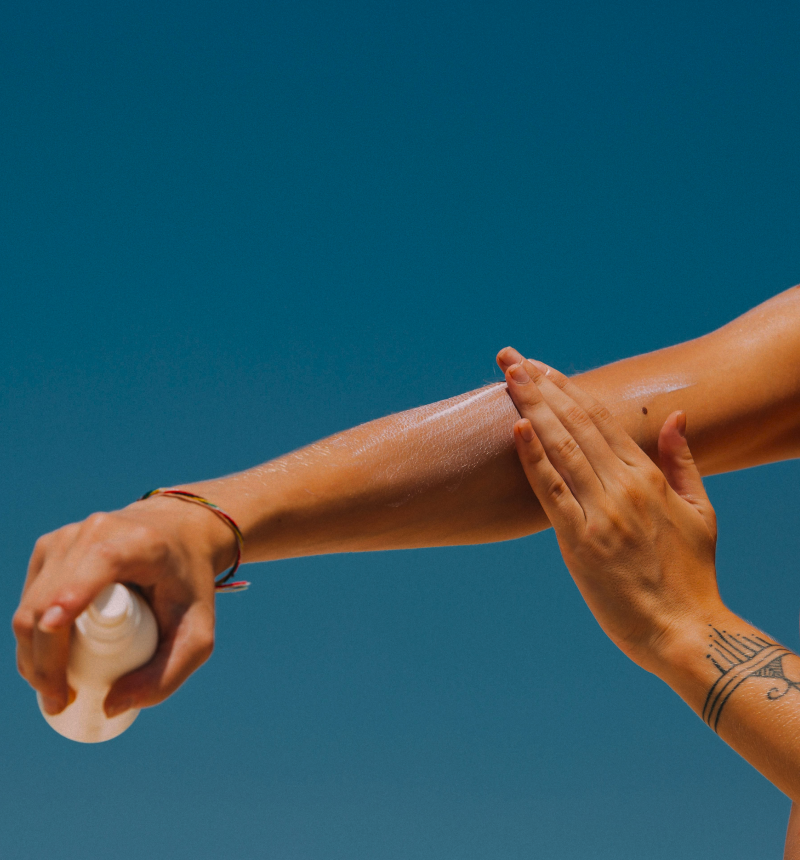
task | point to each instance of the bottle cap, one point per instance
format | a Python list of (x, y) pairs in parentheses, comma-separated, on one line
[(112, 615), (112, 606)]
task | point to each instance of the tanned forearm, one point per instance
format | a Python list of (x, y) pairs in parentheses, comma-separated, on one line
[(746, 687), (448, 473)]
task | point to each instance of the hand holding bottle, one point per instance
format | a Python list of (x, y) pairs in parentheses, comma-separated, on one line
[(116, 634)]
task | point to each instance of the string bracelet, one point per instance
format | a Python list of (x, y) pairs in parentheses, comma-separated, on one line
[(222, 584)]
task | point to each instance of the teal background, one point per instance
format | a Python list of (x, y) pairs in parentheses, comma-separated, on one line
[(229, 229)]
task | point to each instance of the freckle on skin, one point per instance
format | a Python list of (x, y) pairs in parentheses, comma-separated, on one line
[(644, 410)]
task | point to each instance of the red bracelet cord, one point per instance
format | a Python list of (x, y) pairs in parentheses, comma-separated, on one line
[(222, 584)]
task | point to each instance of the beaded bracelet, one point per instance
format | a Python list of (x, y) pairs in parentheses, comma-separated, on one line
[(222, 583)]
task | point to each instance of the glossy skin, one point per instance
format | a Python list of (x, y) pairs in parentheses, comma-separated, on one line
[(640, 544), (442, 474)]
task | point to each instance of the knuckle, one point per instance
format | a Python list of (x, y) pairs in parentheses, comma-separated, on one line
[(599, 414), (43, 544), (96, 522), (556, 489), (577, 417), (566, 448)]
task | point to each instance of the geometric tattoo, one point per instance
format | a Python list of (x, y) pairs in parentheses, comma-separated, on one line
[(738, 658)]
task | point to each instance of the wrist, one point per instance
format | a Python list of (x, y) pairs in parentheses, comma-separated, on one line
[(683, 655), (198, 530)]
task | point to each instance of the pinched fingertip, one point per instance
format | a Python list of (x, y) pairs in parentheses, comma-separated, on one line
[(508, 356)]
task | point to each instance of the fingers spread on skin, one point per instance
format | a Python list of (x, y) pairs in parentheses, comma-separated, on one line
[(561, 448), (612, 431), (555, 497), (578, 422)]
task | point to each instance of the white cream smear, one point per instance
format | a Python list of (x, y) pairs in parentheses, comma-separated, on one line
[(653, 387)]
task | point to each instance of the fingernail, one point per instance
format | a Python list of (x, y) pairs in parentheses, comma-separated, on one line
[(518, 374), (52, 619), (525, 430), (118, 707), (52, 705), (680, 423)]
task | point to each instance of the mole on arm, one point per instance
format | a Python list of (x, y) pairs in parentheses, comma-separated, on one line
[(644, 410)]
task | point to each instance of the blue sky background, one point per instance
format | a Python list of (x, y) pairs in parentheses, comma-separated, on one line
[(229, 229)]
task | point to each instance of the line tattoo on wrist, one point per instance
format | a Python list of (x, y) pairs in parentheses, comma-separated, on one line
[(738, 658)]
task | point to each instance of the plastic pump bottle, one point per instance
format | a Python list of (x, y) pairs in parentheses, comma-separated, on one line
[(116, 634)]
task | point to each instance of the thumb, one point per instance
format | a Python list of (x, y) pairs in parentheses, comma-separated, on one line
[(678, 466)]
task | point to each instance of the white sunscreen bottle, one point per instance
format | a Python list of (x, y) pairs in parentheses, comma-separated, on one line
[(116, 634)]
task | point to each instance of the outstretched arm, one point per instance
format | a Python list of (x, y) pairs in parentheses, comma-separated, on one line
[(442, 474), (448, 474)]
